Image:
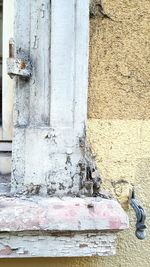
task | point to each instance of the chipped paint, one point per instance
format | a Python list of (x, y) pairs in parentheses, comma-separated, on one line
[(75, 226), (18, 63), (50, 122), (50, 154), (41, 214), (87, 244)]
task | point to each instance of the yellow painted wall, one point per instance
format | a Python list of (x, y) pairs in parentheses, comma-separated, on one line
[(119, 122)]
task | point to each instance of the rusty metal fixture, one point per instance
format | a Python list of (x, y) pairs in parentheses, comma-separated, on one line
[(19, 63), (140, 215)]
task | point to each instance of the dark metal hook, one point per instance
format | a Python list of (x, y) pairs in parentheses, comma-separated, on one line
[(141, 217)]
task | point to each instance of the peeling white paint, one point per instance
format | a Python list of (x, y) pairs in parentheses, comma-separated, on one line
[(51, 108), (88, 244)]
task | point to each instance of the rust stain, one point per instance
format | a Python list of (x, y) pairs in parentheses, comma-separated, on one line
[(22, 65), (11, 50), (90, 205), (83, 245)]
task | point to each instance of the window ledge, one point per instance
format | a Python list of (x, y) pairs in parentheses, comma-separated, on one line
[(53, 227)]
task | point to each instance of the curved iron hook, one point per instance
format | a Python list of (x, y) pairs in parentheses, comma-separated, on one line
[(141, 217)]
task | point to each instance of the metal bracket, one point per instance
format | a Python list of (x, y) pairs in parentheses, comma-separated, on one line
[(18, 63), (141, 217)]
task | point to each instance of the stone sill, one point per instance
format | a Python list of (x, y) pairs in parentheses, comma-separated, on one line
[(53, 227)]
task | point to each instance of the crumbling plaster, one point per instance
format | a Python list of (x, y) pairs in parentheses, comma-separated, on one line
[(119, 61), (119, 113)]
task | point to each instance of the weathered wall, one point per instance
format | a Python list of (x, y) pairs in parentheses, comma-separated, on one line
[(119, 69), (119, 112), (119, 121)]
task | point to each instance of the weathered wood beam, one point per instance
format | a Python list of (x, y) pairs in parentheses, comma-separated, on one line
[(5, 163), (25, 245), (5, 146), (51, 108)]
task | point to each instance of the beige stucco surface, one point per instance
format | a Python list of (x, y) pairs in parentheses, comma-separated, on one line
[(119, 123), (119, 69), (119, 113)]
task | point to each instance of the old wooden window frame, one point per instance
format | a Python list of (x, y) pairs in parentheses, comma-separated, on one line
[(7, 83), (7, 91), (51, 201)]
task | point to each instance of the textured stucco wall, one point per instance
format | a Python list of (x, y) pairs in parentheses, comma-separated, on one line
[(119, 112), (120, 57), (119, 122)]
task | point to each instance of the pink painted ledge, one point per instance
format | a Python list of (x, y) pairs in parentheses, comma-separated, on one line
[(61, 215)]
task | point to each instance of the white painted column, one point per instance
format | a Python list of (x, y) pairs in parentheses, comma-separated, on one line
[(51, 108), (7, 87)]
